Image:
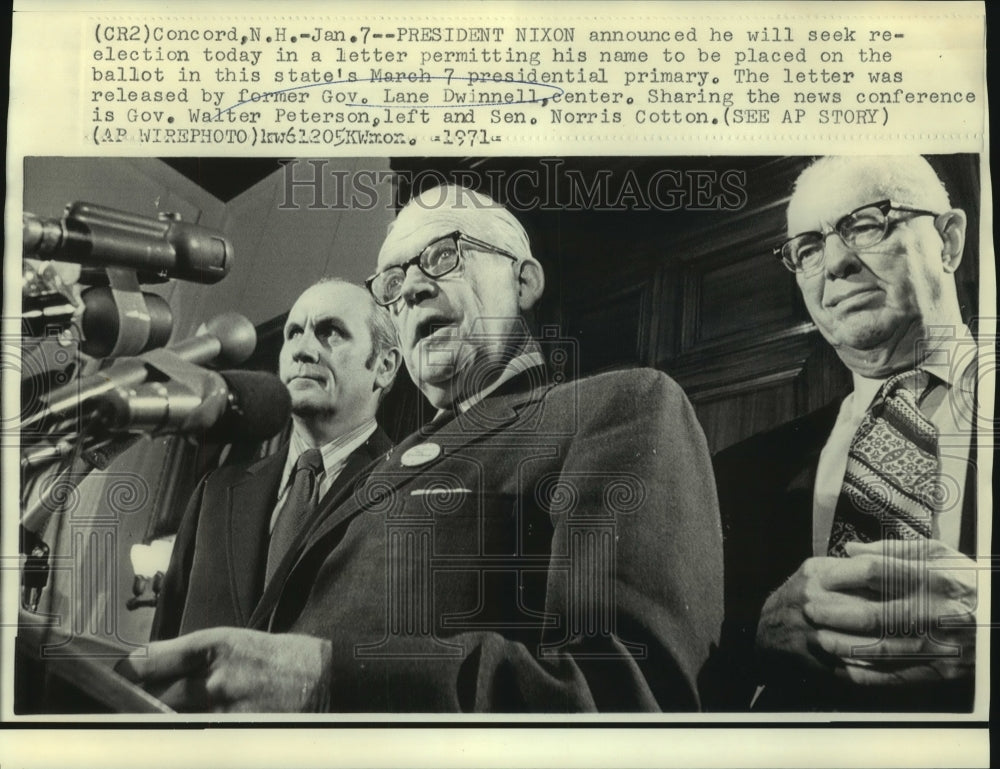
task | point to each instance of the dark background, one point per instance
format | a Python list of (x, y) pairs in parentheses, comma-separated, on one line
[(695, 291)]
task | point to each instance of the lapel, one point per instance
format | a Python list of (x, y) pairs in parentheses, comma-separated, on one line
[(967, 533), (498, 411), (251, 503), (376, 447), (365, 455), (804, 447), (970, 494)]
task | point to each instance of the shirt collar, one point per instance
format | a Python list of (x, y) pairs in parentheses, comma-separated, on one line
[(950, 358), (334, 452), (865, 390)]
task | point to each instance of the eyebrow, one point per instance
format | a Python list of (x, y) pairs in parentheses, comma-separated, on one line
[(405, 256), (332, 320), (402, 256), (320, 320)]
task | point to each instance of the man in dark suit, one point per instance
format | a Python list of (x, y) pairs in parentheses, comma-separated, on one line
[(850, 533), (540, 545), (338, 358)]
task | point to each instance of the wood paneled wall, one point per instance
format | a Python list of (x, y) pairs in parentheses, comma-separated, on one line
[(693, 290)]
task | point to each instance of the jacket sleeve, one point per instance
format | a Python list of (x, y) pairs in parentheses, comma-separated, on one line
[(643, 597), (174, 590)]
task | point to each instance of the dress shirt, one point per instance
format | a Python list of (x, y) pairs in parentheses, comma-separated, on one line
[(951, 364), (335, 454)]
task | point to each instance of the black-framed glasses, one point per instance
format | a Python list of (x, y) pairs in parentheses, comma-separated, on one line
[(436, 260), (862, 228)]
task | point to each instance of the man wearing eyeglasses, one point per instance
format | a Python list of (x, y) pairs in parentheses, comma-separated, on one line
[(538, 546), (849, 533)]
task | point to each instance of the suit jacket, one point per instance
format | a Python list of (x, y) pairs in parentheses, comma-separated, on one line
[(216, 570), (556, 548), (766, 486)]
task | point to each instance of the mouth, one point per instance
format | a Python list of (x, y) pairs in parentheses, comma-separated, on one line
[(432, 326), (307, 377), (855, 296)]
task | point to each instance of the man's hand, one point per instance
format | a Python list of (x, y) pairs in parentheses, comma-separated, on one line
[(226, 669), (40, 276), (912, 619), (893, 612), (787, 640)]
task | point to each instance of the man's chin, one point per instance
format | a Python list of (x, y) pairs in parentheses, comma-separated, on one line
[(860, 331), (876, 349), (865, 341), (311, 407), (433, 375), (433, 362)]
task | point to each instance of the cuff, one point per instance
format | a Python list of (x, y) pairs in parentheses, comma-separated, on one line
[(318, 699)]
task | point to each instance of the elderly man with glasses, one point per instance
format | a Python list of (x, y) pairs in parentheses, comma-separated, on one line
[(850, 532), (540, 545)]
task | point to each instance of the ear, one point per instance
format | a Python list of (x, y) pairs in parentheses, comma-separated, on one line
[(386, 366), (951, 226), (531, 284)]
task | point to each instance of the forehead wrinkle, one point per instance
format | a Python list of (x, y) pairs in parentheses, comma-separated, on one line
[(324, 295), (444, 210), (813, 206), (322, 317), (905, 180)]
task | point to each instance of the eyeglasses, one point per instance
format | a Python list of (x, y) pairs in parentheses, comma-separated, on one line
[(436, 260), (862, 228)]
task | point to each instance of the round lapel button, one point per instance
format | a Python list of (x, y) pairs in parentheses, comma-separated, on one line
[(420, 455)]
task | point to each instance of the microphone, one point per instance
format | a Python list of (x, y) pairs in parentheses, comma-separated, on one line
[(232, 406), (227, 339), (94, 235), (100, 321), (219, 407)]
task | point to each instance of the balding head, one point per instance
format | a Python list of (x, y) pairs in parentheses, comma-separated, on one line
[(449, 208)]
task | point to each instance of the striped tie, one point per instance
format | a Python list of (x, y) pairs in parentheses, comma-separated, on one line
[(892, 469)]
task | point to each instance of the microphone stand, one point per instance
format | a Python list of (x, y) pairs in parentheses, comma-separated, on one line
[(84, 662), (73, 467)]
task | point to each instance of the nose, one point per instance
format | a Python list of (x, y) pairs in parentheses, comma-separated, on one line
[(306, 348), (839, 260), (416, 286)]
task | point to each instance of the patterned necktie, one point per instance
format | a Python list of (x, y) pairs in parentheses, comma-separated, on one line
[(892, 469), (298, 506)]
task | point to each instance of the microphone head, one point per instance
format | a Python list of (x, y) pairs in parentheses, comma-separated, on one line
[(203, 255), (237, 338), (259, 408)]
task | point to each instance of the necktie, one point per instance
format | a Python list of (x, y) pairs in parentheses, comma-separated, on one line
[(299, 504), (892, 469)]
